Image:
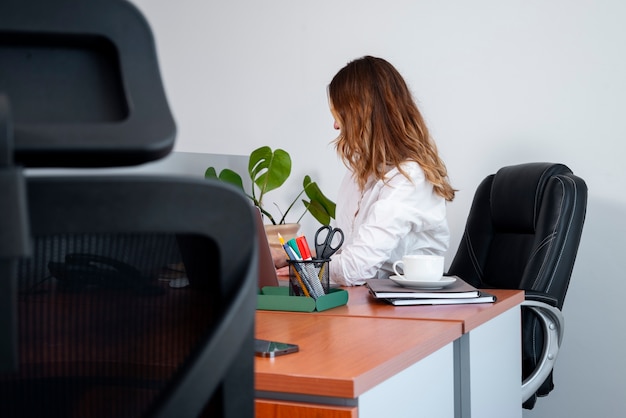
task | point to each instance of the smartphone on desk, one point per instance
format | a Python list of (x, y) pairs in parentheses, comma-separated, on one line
[(265, 348)]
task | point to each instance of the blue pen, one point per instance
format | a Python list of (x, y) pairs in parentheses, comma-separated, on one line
[(310, 281), (307, 274), (312, 287), (298, 271), (291, 253)]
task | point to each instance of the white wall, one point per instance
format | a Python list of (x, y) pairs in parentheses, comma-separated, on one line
[(499, 81)]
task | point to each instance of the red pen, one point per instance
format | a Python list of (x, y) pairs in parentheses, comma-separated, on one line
[(303, 246)]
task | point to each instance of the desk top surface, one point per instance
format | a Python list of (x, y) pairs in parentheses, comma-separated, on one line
[(343, 356), (345, 351), (361, 303)]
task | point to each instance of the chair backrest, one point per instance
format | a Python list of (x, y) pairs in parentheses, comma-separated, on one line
[(80, 87), (133, 345), (83, 81), (523, 230)]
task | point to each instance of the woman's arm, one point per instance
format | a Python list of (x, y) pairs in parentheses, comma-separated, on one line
[(394, 218), (280, 261)]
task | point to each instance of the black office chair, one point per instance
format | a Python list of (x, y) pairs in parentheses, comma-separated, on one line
[(87, 328), (523, 232), (92, 346)]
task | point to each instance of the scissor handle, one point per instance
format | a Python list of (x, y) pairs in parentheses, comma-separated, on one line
[(328, 230), (325, 248), (332, 235)]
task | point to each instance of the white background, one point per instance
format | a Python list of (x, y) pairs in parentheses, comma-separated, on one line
[(499, 81)]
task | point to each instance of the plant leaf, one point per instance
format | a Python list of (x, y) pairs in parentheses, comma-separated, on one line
[(210, 173), (318, 212), (269, 170), (320, 201), (227, 175), (257, 159)]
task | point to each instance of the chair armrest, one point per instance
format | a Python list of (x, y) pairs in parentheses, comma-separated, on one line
[(541, 297), (553, 324)]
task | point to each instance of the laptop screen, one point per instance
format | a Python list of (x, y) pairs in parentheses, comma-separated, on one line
[(267, 271)]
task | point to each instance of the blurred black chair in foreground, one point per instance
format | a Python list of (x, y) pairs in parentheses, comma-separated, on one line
[(85, 331)]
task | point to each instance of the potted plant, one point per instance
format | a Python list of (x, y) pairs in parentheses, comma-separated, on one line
[(268, 170)]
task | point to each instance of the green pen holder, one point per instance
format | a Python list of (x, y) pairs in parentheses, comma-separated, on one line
[(308, 291), (272, 298)]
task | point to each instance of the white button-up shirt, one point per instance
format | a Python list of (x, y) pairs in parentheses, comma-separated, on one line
[(386, 221)]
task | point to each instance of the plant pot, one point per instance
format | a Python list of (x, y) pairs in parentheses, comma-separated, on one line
[(287, 231)]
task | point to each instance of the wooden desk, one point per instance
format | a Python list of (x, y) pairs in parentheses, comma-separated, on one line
[(348, 362), (351, 334), (489, 350)]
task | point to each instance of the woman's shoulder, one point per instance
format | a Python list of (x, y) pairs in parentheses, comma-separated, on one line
[(412, 169)]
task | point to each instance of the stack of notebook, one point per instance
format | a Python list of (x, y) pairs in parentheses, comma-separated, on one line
[(451, 291)]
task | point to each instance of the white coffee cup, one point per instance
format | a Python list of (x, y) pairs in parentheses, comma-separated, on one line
[(420, 267)]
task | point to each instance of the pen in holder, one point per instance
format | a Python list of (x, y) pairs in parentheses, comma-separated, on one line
[(308, 278)]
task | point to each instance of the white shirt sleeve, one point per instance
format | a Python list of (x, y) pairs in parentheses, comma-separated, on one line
[(386, 221)]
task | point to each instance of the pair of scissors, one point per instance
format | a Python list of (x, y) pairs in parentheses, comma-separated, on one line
[(324, 248)]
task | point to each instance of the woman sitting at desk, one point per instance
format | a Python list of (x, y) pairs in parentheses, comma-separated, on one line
[(392, 201)]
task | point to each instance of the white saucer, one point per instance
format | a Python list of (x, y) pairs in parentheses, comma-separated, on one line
[(420, 284)]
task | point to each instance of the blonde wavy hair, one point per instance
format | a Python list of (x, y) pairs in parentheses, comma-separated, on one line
[(381, 125)]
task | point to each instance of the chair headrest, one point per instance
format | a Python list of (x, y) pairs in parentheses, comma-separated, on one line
[(84, 88), (516, 194)]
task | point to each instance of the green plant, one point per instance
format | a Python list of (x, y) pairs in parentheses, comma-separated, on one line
[(268, 170)]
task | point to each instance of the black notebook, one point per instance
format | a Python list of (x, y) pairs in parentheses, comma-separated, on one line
[(455, 293), (386, 288)]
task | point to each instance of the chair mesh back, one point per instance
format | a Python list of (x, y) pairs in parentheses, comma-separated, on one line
[(102, 345)]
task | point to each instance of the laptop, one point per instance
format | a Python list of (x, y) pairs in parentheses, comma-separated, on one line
[(267, 271)]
